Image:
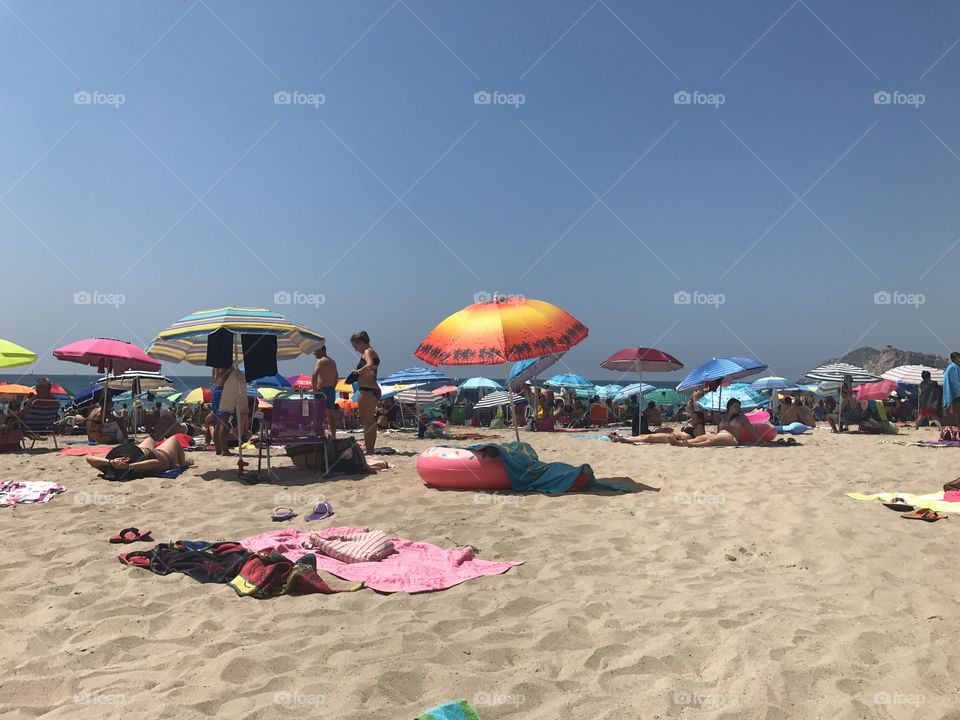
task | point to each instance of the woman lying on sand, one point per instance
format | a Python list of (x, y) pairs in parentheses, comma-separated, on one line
[(147, 458), (730, 429), (694, 430)]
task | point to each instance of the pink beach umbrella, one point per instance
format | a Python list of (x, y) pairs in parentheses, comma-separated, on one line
[(875, 391), (107, 356)]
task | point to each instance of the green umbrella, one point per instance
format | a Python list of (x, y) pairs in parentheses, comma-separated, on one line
[(12, 355), (666, 396)]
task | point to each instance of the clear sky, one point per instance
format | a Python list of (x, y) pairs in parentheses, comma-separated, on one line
[(147, 159)]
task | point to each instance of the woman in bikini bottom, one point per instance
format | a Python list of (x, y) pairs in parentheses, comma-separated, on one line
[(155, 458)]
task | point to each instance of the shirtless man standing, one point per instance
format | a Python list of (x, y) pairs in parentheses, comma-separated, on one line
[(325, 378)]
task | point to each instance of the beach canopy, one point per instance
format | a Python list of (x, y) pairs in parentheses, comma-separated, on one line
[(272, 381), (12, 355), (499, 398), (106, 354), (875, 391), (640, 360), (416, 396), (499, 331), (525, 370), (136, 381), (186, 339), (910, 374), (480, 383), (772, 382), (415, 375), (633, 390), (665, 396), (723, 369), (571, 382), (718, 399), (835, 372)]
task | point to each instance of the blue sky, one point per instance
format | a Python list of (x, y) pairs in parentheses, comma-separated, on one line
[(781, 199)]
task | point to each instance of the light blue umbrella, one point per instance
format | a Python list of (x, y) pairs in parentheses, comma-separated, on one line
[(722, 368), (573, 382), (274, 381), (480, 383), (772, 382), (529, 369), (605, 392), (717, 400), (415, 375), (631, 390)]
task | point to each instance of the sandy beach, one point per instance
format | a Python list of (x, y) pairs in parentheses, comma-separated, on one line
[(736, 583)]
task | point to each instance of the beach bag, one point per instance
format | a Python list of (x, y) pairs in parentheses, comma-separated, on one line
[(10, 440), (950, 433), (344, 455)]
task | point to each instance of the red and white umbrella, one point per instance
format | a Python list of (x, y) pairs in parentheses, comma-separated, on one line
[(640, 360)]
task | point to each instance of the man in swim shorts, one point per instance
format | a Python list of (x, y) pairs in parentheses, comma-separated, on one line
[(325, 377)]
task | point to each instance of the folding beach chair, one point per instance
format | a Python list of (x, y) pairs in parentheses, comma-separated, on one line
[(599, 416), (40, 420), (295, 421)]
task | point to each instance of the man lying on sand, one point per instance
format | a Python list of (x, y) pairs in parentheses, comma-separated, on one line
[(147, 458)]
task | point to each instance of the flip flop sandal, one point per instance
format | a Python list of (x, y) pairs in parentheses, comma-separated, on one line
[(924, 514), (281, 514), (129, 535), (898, 504), (320, 512), (137, 558)]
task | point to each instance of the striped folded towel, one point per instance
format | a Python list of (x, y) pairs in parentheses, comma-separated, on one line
[(352, 547)]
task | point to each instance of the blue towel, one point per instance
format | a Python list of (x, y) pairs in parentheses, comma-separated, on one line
[(453, 710), (528, 474), (951, 384), (171, 473)]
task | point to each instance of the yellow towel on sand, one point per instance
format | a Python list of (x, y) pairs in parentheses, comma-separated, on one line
[(931, 501)]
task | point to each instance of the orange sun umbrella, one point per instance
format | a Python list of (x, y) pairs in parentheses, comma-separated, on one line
[(501, 330), (12, 391)]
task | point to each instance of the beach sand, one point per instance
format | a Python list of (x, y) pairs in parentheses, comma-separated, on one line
[(739, 583)]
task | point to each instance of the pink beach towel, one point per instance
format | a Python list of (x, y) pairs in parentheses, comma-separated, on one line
[(92, 450), (31, 492), (951, 496), (414, 567)]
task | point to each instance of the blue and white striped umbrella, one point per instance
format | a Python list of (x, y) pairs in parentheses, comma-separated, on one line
[(415, 375), (718, 399), (631, 390), (722, 368)]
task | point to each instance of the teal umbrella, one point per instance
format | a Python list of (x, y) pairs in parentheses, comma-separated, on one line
[(666, 396)]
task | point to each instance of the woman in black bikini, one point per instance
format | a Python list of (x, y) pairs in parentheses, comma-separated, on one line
[(369, 391), (146, 458)]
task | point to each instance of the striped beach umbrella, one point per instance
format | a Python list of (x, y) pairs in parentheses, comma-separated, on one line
[(665, 396), (499, 398), (910, 374), (835, 372), (186, 339)]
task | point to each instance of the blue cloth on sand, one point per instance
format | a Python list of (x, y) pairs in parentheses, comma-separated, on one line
[(951, 384), (528, 473), (453, 710)]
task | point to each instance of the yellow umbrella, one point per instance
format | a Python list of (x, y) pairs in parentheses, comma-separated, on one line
[(12, 355)]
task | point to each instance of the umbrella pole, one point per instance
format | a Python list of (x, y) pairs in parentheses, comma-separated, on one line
[(240, 399), (103, 400), (510, 403)]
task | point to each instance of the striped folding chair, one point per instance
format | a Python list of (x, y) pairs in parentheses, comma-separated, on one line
[(40, 420)]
